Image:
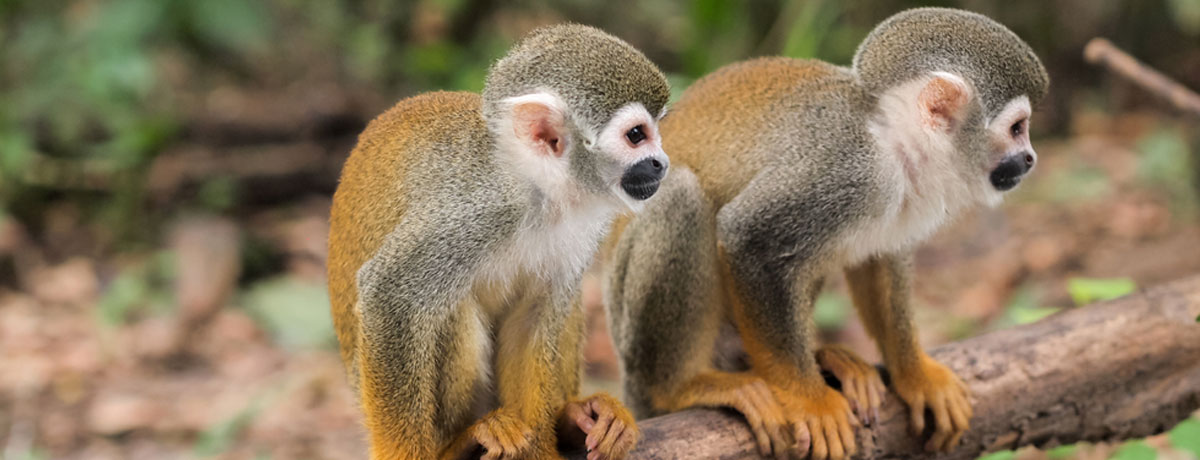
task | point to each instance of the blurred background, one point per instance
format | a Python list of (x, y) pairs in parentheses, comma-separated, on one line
[(166, 168)]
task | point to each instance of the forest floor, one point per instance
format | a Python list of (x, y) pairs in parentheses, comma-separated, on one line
[(163, 353)]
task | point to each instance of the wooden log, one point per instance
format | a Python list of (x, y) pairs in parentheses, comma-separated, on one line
[(1115, 370)]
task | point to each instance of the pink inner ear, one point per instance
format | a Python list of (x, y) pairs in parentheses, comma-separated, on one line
[(943, 100), (540, 126)]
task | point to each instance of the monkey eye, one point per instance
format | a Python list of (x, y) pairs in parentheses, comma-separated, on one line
[(1017, 128), (636, 135)]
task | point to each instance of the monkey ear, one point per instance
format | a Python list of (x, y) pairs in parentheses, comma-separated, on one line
[(943, 101), (539, 123)]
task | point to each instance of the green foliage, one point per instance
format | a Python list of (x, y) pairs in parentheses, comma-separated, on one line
[(219, 437), (1079, 181), (1165, 163), (1001, 455), (141, 288), (1087, 290), (812, 27), (32, 453), (1186, 435), (1024, 308), (295, 312), (831, 310), (1067, 451), (217, 194), (1135, 450), (1186, 14)]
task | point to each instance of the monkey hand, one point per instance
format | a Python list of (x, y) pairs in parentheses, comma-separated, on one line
[(928, 384), (824, 413), (502, 436), (610, 429), (861, 383), (752, 397)]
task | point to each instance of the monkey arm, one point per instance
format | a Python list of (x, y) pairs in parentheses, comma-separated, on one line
[(408, 292), (775, 242), (881, 288), (777, 238)]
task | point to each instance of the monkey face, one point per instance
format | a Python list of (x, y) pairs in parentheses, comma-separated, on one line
[(629, 154), (621, 161), (1011, 155)]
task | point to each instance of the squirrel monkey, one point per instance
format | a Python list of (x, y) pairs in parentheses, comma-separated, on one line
[(459, 234), (786, 170)]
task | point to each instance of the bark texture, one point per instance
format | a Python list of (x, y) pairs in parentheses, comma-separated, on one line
[(1121, 369)]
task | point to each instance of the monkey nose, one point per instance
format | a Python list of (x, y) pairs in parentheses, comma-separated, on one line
[(1008, 173), (641, 180)]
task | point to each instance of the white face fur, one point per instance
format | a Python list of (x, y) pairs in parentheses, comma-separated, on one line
[(535, 142), (631, 136), (927, 181), (542, 137)]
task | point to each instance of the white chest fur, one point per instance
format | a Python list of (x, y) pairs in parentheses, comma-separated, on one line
[(552, 245), (921, 187)]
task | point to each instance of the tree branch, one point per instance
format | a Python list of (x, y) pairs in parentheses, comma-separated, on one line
[(1121, 369), (1102, 52)]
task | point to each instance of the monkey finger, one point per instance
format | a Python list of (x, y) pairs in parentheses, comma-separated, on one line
[(873, 405), (820, 451), (846, 433), (754, 419), (864, 398), (599, 430), (803, 439), (579, 414), (832, 440), (958, 413), (954, 439), (916, 413), (614, 431), (942, 427), (623, 445)]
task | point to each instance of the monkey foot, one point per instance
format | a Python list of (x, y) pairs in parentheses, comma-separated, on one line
[(610, 428), (861, 383), (827, 416), (930, 385), (750, 395), (502, 435)]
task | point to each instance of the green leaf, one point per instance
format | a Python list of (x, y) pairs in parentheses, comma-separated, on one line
[(1087, 290), (219, 437), (296, 312), (831, 310), (144, 286), (1187, 15), (1023, 315), (1067, 451), (1135, 450), (1024, 307), (1186, 435), (16, 151), (1165, 164), (233, 24), (1002, 455)]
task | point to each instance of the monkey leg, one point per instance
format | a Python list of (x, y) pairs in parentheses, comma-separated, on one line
[(448, 355), (881, 290), (816, 412), (665, 306), (598, 423), (773, 254), (861, 383), (538, 361), (610, 429)]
